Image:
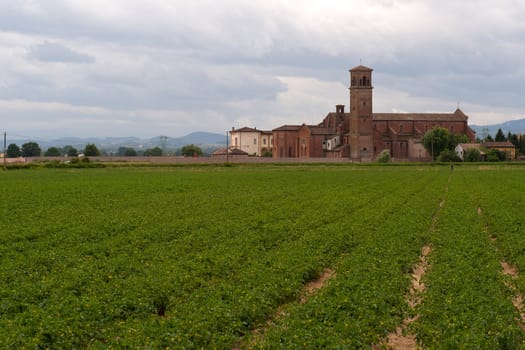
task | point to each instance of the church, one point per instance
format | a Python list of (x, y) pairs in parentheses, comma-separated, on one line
[(360, 134)]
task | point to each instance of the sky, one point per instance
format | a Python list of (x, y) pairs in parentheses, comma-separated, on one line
[(142, 68)]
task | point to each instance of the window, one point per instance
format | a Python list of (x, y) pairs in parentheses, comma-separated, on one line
[(235, 141), (264, 142), (254, 141)]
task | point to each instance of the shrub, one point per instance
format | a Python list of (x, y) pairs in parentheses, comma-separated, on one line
[(384, 156)]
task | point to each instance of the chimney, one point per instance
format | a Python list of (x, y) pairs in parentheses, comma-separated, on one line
[(340, 109)]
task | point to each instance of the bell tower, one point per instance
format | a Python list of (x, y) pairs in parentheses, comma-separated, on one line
[(361, 142)]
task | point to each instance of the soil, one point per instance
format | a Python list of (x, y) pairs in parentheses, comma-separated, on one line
[(311, 287), (309, 290), (400, 340)]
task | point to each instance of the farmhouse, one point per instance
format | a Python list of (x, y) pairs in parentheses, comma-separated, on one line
[(505, 147), (360, 134)]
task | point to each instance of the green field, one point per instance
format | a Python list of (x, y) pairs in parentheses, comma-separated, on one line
[(216, 257)]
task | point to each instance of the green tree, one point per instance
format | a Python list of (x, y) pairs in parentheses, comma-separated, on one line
[(13, 151), (127, 152), (500, 136), (70, 151), (153, 152), (191, 151), (31, 149), (436, 140), (495, 155), (52, 152), (456, 139), (130, 152), (472, 155), (91, 150), (448, 155)]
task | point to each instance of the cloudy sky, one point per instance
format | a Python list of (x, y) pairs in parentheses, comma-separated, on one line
[(169, 67)]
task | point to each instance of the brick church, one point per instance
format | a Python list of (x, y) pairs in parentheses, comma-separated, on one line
[(359, 134)]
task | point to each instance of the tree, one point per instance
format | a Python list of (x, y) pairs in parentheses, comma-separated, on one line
[(495, 155), (472, 155), (153, 152), (456, 139), (448, 155), (91, 150), (70, 151), (130, 152), (31, 149), (52, 152), (436, 140), (127, 152), (13, 151), (500, 136), (191, 151)]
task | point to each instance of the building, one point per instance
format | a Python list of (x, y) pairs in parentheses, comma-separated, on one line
[(462, 148), (506, 147), (360, 134), (252, 141)]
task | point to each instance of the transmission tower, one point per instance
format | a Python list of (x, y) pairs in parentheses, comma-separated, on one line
[(163, 140)]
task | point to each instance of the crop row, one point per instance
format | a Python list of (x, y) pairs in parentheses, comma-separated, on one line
[(201, 257), (466, 303), (165, 258)]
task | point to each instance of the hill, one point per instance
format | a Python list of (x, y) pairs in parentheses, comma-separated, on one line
[(512, 126), (207, 141)]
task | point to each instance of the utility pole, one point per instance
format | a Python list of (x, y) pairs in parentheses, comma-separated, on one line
[(5, 149), (227, 148)]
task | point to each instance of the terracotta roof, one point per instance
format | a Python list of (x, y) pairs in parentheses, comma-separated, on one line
[(361, 68), (288, 128), (467, 146), (456, 116), (505, 144)]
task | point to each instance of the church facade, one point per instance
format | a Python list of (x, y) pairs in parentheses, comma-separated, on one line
[(360, 134)]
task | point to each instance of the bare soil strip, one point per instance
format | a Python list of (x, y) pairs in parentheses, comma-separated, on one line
[(308, 291), (400, 340), (311, 287), (513, 272)]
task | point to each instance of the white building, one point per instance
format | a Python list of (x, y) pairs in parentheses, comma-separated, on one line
[(252, 141)]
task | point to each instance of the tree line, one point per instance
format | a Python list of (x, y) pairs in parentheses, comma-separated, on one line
[(441, 143), (32, 149)]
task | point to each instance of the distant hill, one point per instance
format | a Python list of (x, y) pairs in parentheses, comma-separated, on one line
[(514, 126), (207, 141)]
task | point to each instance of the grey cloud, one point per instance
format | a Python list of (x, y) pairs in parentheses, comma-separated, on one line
[(55, 52)]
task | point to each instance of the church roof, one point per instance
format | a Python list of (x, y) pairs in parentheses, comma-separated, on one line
[(457, 116), (361, 68)]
